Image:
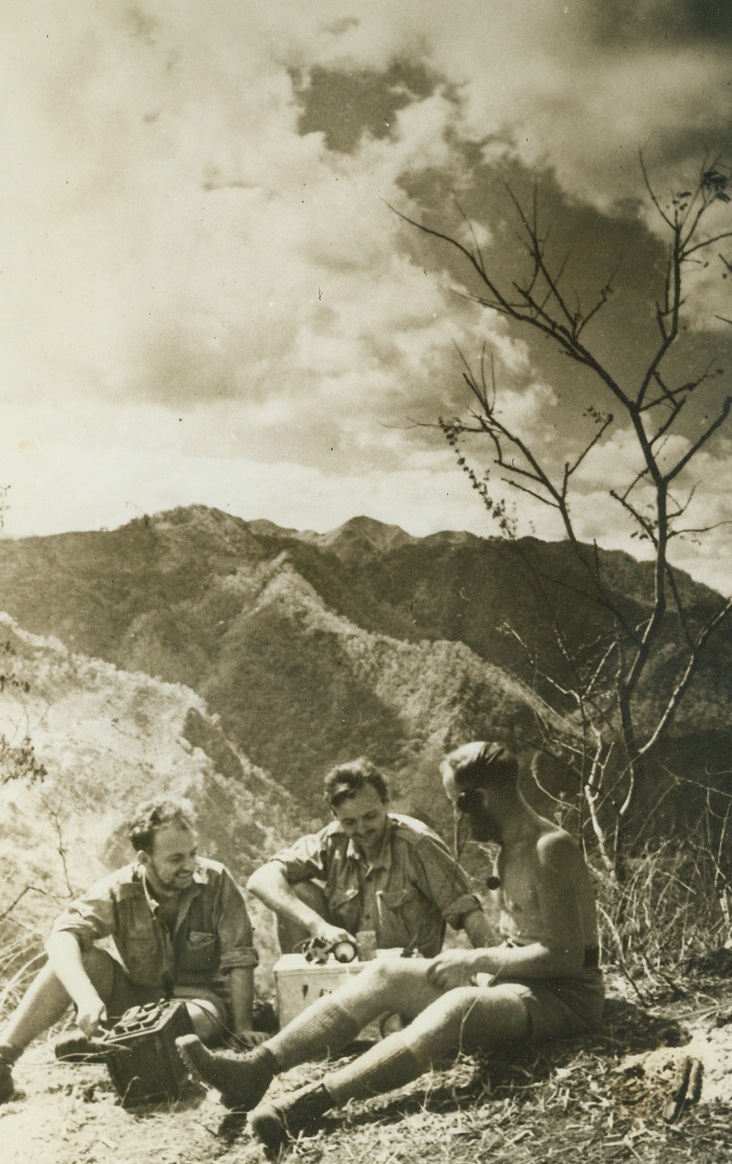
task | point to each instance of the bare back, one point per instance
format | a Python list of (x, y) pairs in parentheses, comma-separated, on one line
[(546, 895)]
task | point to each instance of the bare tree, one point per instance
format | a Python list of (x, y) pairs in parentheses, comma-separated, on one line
[(607, 681)]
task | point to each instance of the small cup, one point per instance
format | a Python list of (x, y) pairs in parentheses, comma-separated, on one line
[(366, 945)]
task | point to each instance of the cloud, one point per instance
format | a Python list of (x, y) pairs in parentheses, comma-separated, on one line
[(193, 278), (69, 468), (576, 87)]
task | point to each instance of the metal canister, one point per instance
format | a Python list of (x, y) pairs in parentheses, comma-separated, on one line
[(344, 951)]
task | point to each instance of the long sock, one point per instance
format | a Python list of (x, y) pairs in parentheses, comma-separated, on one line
[(384, 1067), (9, 1054), (320, 1030)]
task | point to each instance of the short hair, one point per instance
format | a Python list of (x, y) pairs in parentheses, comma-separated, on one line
[(346, 780), (150, 816), (479, 764)]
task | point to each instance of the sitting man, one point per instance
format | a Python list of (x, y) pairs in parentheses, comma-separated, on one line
[(180, 927), (541, 982), (368, 870)]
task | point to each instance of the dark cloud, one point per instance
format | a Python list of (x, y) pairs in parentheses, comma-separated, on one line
[(343, 105), (141, 25), (339, 27), (590, 249), (673, 22)]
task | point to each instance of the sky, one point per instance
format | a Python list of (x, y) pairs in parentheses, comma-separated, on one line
[(206, 296)]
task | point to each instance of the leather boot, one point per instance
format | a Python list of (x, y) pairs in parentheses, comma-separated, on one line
[(241, 1079), (8, 1055), (284, 1119)]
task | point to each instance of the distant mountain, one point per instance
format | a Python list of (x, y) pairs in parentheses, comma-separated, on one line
[(314, 648)]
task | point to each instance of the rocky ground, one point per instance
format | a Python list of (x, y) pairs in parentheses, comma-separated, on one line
[(606, 1099)]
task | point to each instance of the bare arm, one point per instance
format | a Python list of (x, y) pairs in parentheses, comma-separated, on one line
[(65, 958), (241, 984), (478, 929), (561, 879), (270, 885)]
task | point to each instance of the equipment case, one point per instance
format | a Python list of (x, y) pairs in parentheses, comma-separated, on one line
[(298, 983), (143, 1063)]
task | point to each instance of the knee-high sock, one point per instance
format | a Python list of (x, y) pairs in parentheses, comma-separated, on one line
[(387, 1065), (320, 1030)]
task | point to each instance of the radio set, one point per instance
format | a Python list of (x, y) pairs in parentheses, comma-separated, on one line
[(140, 1053)]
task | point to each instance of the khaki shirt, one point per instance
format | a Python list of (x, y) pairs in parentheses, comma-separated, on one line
[(406, 894), (211, 935)]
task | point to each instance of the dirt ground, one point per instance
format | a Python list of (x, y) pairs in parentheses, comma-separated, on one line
[(602, 1098)]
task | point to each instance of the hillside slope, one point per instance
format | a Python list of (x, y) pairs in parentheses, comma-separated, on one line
[(314, 648), (305, 666), (108, 739)]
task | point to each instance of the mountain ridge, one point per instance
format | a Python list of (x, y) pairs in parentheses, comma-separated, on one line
[(313, 648)]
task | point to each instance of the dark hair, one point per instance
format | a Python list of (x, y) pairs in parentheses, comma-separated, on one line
[(480, 763), (150, 816), (345, 780)]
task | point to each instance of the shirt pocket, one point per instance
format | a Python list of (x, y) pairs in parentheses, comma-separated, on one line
[(142, 958), (345, 906), (199, 952), (406, 916)]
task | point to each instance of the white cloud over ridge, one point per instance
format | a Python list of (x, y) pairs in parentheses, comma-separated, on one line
[(205, 283)]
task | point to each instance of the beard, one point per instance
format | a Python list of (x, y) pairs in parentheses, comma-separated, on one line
[(484, 826), (168, 884)]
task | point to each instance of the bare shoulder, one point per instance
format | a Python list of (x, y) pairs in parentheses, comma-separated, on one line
[(555, 847)]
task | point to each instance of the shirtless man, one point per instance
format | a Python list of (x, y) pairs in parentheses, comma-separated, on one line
[(541, 981)]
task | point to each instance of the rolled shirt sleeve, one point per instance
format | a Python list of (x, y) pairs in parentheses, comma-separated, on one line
[(236, 948), (442, 880), (307, 858), (91, 917)]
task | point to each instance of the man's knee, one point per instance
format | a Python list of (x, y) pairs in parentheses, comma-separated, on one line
[(107, 976), (99, 966), (456, 1006), (487, 1017), (391, 979), (205, 1020), (439, 1032)]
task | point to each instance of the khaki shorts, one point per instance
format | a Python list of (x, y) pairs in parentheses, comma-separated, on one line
[(124, 994), (561, 1008)]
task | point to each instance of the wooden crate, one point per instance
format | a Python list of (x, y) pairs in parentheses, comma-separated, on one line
[(298, 983)]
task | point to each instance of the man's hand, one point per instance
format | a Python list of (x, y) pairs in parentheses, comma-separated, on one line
[(453, 968), (330, 934), (91, 1013)]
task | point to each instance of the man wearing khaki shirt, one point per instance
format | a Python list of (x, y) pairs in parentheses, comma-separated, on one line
[(181, 930), (368, 870)]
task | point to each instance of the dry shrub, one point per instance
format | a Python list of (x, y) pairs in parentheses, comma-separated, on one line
[(670, 905)]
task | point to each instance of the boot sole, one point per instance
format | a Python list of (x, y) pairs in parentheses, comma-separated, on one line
[(269, 1128)]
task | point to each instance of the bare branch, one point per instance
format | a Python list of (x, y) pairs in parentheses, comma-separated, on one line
[(605, 681), (707, 242), (684, 680), (701, 440)]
